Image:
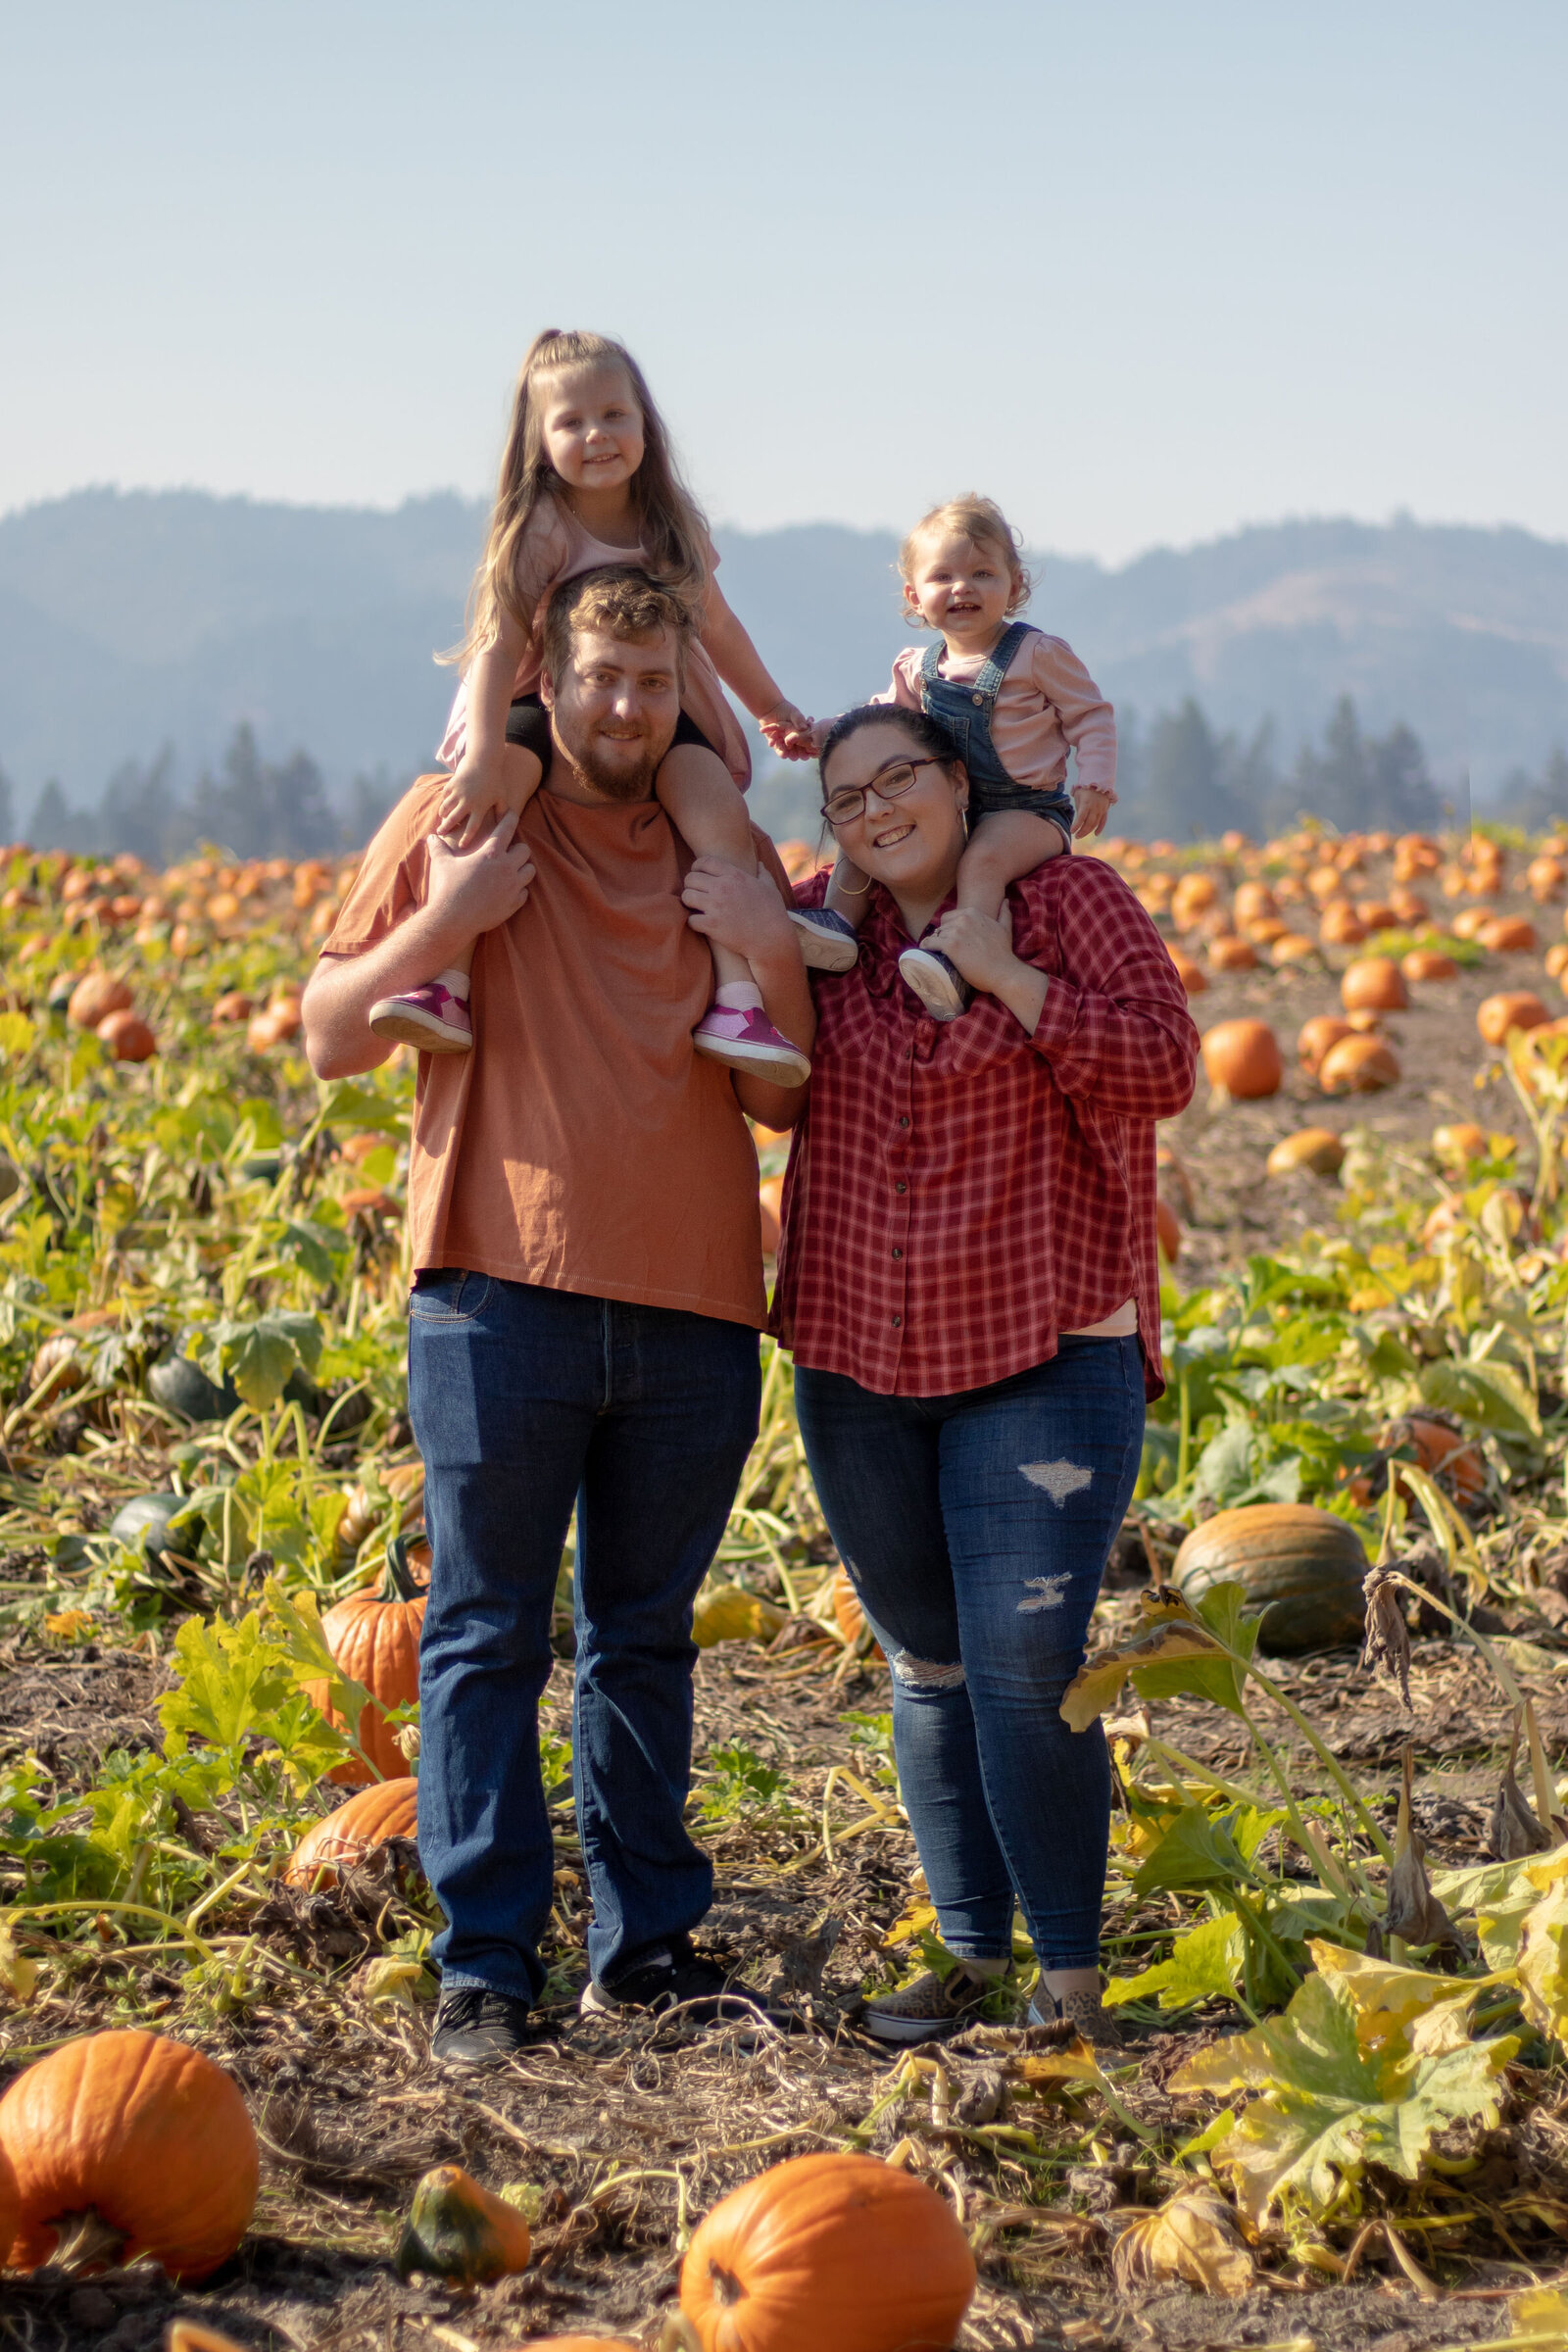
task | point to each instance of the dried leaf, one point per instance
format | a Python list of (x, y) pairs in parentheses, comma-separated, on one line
[(18, 1975), (1413, 1912), (1513, 1832), (1387, 1641), (1193, 2236)]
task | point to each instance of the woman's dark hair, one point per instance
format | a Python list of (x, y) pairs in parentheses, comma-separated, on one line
[(931, 736)]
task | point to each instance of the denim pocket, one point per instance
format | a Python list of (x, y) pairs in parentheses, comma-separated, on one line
[(448, 1294)]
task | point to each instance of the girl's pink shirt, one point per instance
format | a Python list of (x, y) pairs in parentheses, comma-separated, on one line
[(556, 547), (1046, 703)]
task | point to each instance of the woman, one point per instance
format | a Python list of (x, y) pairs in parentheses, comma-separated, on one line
[(968, 1282)]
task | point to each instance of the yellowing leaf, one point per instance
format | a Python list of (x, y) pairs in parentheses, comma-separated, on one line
[(920, 1919), (1193, 2236), (1074, 2062), (396, 1981), (1398, 2010), (1333, 2106), (1539, 2315), (1098, 1685), (1543, 1962), (18, 1975), (67, 1623)]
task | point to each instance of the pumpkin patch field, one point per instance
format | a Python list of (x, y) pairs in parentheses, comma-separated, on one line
[(1330, 1659)]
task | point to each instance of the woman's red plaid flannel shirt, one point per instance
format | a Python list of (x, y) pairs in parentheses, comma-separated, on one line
[(959, 1193)]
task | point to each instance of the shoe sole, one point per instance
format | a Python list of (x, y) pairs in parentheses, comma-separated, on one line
[(401, 1027), (762, 1061), (883, 2028), (822, 950), (934, 988)]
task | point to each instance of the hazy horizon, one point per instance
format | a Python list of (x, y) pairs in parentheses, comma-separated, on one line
[(1165, 273)]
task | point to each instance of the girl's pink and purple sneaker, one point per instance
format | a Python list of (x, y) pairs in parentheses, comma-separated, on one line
[(745, 1039), (431, 1018)]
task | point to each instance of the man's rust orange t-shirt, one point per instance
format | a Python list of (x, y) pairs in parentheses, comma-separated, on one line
[(584, 1144)]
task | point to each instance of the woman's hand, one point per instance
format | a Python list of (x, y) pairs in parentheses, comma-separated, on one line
[(740, 911), (982, 950)]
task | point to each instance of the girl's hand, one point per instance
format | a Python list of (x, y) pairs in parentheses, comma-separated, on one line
[(473, 797), (981, 949), (787, 732), (1093, 806)]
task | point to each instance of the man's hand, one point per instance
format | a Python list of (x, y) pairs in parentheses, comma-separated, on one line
[(740, 911), (1093, 806), (787, 732), (474, 889)]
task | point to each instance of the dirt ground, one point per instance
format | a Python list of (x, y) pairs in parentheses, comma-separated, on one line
[(623, 2131)]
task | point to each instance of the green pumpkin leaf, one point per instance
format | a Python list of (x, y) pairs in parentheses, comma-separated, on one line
[(260, 1355), (1205, 1849), (1496, 1396), (1204, 1963)]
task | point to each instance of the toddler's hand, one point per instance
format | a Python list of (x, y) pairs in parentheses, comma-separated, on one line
[(787, 732), (473, 799), (1093, 806)]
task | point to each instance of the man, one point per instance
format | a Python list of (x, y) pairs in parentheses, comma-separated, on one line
[(583, 1323)]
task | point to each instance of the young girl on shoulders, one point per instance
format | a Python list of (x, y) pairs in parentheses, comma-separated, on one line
[(588, 479), (1014, 701)]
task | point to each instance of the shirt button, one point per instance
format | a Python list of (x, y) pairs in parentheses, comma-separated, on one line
[(898, 1252), (897, 1322), (901, 1186), (904, 1122)]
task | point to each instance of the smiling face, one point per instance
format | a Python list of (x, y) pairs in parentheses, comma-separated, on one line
[(593, 427), (960, 586), (614, 710), (912, 843)]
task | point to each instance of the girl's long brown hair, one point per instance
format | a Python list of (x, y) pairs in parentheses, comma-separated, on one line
[(669, 523)]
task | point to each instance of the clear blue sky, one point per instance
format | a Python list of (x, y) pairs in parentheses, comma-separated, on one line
[(1144, 271)]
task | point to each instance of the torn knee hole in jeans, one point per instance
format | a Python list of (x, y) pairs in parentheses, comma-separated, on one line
[(926, 1674)]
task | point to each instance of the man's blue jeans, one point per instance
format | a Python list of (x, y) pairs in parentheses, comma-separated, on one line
[(525, 1401), (975, 1529)]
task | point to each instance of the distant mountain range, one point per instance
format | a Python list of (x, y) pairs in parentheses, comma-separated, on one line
[(129, 620)]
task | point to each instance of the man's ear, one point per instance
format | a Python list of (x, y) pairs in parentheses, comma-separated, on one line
[(547, 690)]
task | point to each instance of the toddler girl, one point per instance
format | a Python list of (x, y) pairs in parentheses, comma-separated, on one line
[(1013, 699), (587, 479)]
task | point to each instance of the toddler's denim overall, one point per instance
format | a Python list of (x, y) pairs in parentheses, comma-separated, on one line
[(963, 708)]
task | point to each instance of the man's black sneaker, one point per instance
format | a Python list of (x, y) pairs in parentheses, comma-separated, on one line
[(699, 1989), (474, 2027)]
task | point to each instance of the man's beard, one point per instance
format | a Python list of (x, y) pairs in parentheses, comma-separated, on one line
[(616, 781)]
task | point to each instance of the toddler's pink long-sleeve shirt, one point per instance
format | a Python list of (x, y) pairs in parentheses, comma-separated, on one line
[(1046, 703)]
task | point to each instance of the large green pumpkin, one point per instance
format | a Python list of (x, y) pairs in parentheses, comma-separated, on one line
[(1302, 1567)]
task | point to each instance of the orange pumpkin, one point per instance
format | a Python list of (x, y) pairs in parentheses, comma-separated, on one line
[(232, 1008), (1316, 1036), (1167, 1231), (1243, 1058), (459, 2231), (1189, 972), (1373, 984), (1558, 959), (841, 2251), (341, 1842), (1446, 1453), (375, 1638), (1339, 927), (145, 2135), (1358, 1065), (1378, 915), (1461, 1142), (1228, 954), (1509, 935), (94, 997), (1294, 947), (127, 1036), (848, 1614), (1514, 1009), (1409, 907), (771, 1202), (1429, 963)]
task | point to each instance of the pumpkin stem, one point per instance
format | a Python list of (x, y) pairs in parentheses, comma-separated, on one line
[(679, 2335), (727, 2288), (87, 2242), (396, 1569)]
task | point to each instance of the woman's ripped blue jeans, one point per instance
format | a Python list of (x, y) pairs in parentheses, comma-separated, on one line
[(975, 1529)]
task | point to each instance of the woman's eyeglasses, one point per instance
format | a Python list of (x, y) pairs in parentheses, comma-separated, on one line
[(843, 808)]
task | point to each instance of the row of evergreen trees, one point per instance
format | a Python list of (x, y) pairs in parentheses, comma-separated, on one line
[(253, 806), (1180, 778)]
